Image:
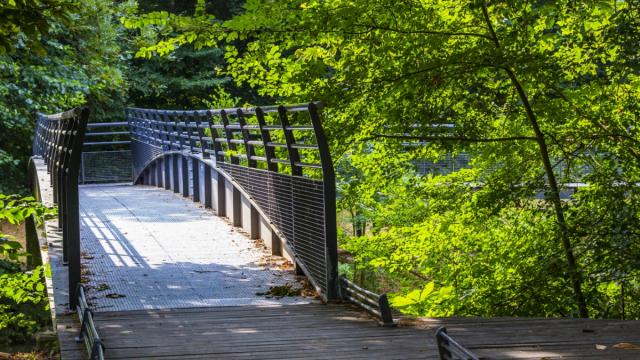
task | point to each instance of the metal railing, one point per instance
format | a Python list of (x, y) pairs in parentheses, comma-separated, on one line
[(377, 305), (450, 349), (88, 333), (58, 142), (106, 155), (277, 156)]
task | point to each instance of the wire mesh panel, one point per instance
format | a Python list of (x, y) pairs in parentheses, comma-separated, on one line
[(106, 155), (278, 155), (295, 205), (106, 166)]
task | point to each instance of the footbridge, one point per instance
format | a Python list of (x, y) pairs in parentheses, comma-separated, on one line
[(212, 234)]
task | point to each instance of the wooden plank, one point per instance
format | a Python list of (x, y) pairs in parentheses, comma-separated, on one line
[(340, 331)]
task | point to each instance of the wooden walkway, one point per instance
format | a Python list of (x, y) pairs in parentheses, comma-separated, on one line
[(340, 331)]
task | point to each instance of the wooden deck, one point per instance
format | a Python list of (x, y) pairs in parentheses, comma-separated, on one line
[(339, 331)]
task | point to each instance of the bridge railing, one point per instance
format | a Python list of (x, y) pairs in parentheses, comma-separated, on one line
[(375, 304), (106, 155), (57, 144), (450, 349), (266, 168), (88, 333)]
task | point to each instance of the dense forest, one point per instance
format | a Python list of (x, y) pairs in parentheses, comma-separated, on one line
[(541, 97)]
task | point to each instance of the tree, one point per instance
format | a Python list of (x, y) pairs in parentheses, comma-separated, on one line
[(187, 78), (73, 59), (530, 88)]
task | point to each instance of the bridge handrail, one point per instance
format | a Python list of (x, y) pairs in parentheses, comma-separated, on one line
[(183, 130), (246, 110), (58, 142), (94, 130), (450, 349), (377, 305), (88, 333)]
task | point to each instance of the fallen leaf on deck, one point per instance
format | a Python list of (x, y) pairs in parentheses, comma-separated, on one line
[(115, 296), (626, 346)]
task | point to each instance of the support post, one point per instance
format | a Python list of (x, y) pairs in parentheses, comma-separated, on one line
[(152, 175), (195, 168), (255, 223), (207, 187), (167, 172), (385, 311), (329, 190), (276, 244), (159, 173), (73, 243), (174, 172), (222, 203), (237, 207), (185, 175)]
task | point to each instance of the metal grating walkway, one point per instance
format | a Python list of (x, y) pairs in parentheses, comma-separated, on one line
[(148, 248)]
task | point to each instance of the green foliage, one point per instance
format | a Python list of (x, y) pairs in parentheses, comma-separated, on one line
[(187, 76), (15, 210), (23, 299), (23, 305), (539, 94), (26, 20), (79, 63)]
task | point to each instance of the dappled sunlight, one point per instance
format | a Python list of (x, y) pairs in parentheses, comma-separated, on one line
[(243, 331)]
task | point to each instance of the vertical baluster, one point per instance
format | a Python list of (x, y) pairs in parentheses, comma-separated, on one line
[(266, 140), (294, 156), (246, 137), (228, 132)]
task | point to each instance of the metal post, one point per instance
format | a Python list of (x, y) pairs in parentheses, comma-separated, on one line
[(222, 203), (246, 138), (185, 175), (294, 156), (266, 141), (159, 166), (195, 168), (385, 311), (255, 223), (237, 207), (228, 132), (207, 187), (166, 161), (329, 188), (276, 244), (73, 202), (174, 172)]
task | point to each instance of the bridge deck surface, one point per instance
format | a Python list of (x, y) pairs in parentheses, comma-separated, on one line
[(148, 248)]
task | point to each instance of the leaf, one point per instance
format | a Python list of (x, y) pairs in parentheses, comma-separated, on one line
[(115, 296), (626, 346), (428, 289)]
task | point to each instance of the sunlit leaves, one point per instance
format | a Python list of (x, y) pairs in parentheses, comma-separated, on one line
[(404, 67)]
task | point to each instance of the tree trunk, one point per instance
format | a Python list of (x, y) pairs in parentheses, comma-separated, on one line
[(552, 196)]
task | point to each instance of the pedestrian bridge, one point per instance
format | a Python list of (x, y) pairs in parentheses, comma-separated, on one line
[(222, 244)]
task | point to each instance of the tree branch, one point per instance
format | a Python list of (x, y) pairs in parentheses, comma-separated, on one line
[(427, 32), (450, 138)]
